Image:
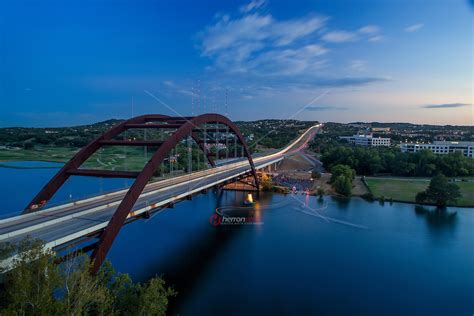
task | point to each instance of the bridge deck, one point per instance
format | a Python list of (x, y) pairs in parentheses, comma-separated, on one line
[(65, 223)]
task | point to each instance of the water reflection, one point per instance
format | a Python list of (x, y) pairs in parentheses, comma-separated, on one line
[(303, 259), (187, 266), (438, 219), (341, 202)]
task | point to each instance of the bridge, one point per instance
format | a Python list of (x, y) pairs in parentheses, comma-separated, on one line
[(96, 221)]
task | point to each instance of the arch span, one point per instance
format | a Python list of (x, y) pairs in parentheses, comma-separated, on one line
[(184, 127)]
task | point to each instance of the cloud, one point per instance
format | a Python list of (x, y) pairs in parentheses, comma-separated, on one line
[(251, 49), (252, 5), (305, 83), (242, 44), (289, 61), (414, 27), (369, 29), (369, 32), (350, 81), (377, 38), (445, 105), (168, 83), (339, 37), (226, 34), (255, 31), (291, 30), (358, 65), (324, 108)]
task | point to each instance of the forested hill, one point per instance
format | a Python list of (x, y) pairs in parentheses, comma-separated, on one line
[(74, 136), (401, 125), (267, 133)]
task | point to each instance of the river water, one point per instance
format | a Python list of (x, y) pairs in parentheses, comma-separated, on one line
[(306, 256)]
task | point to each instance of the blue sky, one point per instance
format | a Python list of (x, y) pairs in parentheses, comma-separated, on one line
[(74, 62)]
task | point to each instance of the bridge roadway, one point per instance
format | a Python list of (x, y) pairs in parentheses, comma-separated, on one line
[(65, 223)]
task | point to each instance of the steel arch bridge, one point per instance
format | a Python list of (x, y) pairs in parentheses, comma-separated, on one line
[(183, 127)]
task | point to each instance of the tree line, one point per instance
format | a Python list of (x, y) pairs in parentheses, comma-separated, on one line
[(370, 161), (266, 133), (440, 191)]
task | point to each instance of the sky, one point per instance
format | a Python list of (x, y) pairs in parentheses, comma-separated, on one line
[(68, 62)]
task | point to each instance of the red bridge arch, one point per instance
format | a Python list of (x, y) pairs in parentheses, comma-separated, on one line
[(184, 126)]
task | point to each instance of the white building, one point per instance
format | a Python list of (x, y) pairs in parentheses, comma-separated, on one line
[(367, 140), (441, 147)]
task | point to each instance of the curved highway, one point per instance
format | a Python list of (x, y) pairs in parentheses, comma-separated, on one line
[(65, 223)]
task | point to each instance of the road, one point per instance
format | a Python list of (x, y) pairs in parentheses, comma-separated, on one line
[(64, 223)]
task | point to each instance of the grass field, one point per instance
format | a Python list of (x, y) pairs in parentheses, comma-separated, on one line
[(56, 154), (109, 159), (405, 189), (119, 158)]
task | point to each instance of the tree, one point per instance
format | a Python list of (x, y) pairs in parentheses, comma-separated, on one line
[(28, 145), (424, 163), (421, 197), (320, 192), (439, 192), (38, 286), (266, 182), (315, 174), (30, 286), (153, 297), (83, 293), (343, 185), (343, 170)]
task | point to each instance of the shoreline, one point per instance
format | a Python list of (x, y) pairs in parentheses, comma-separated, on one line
[(7, 166), (278, 187), (339, 196)]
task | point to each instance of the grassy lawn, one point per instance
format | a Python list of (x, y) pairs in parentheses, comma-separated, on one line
[(108, 159), (56, 154), (405, 189), (467, 190)]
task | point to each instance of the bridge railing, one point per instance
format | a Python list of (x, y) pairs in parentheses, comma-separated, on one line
[(152, 185), (116, 193)]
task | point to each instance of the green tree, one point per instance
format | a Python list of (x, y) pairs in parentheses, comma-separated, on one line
[(38, 286), (83, 293), (368, 161), (343, 185), (30, 286), (343, 170), (440, 192), (153, 297), (421, 197)]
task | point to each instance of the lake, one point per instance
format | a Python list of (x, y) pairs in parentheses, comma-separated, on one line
[(307, 256)]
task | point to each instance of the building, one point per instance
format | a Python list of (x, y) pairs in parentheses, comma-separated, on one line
[(367, 140), (380, 129), (441, 147)]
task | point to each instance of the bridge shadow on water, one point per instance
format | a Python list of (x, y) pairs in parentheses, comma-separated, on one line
[(189, 263)]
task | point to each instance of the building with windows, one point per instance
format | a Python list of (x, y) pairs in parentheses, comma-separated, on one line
[(441, 147), (367, 140)]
